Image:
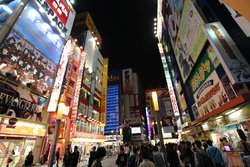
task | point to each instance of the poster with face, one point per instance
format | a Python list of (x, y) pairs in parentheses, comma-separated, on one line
[(190, 39), (18, 102), (22, 63)]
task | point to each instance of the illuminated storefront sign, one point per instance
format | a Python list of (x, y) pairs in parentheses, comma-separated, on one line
[(72, 131), (206, 87), (104, 91), (78, 84), (59, 78)]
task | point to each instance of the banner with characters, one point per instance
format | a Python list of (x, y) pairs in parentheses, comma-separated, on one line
[(24, 64), (206, 86), (16, 101)]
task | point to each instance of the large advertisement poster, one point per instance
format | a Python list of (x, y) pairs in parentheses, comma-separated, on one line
[(127, 75), (21, 62), (207, 88), (233, 62), (18, 102), (6, 9), (40, 33), (173, 15), (190, 39)]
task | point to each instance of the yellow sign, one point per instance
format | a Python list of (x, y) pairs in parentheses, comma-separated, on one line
[(104, 92)]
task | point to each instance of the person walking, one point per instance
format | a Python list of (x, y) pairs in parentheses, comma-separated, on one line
[(188, 155), (145, 156), (159, 158), (29, 160), (100, 154), (132, 160), (74, 157), (67, 158), (172, 156), (215, 154), (92, 156), (201, 158), (121, 160)]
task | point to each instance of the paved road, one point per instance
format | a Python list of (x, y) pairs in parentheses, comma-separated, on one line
[(107, 162)]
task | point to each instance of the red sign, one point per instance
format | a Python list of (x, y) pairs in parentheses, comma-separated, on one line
[(61, 9), (72, 130)]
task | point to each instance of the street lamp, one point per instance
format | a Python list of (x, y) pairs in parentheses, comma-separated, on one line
[(60, 110), (156, 109)]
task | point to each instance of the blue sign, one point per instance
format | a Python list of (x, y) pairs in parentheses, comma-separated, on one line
[(36, 29), (6, 9)]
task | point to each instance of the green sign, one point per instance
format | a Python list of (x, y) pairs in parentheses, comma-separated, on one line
[(202, 71)]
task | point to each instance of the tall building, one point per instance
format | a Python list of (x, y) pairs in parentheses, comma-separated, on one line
[(114, 94), (88, 116), (203, 47)]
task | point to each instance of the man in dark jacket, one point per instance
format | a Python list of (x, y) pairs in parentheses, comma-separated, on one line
[(92, 156), (74, 157)]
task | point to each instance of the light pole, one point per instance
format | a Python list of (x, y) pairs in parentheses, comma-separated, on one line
[(60, 109), (156, 109)]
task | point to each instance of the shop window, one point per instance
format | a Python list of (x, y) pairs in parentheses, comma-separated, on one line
[(96, 103)]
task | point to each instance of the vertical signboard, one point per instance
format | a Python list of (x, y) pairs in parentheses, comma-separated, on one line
[(206, 86), (104, 92), (127, 76), (59, 78), (78, 85), (159, 19), (233, 62), (190, 39)]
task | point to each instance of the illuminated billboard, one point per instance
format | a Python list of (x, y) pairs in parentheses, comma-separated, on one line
[(23, 63), (39, 32), (190, 39), (6, 9), (18, 102)]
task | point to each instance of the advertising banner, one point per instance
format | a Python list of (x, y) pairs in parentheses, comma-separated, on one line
[(127, 75), (21, 62), (115, 77), (207, 88), (233, 62), (173, 17), (40, 33), (104, 89), (18, 102), (59, 77), (190, 39), (6, 9), (160, 20)]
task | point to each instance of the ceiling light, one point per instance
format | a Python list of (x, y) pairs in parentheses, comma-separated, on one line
[(75, 40)]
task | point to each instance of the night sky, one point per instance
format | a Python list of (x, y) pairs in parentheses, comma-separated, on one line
[(126, 28)]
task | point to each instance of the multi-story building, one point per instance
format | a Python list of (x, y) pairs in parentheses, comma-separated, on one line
[(89, 114), (204, 45)]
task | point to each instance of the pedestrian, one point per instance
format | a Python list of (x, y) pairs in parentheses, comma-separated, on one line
[(215, 154), (121, 160), (201, 158), (10, 158), (172, 156), (132, 160), (74, 157), (92, 156), (57, 156), (67, 158), (100, 154), (28, 160), (188, 155), (159, 158), (145, 156)]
